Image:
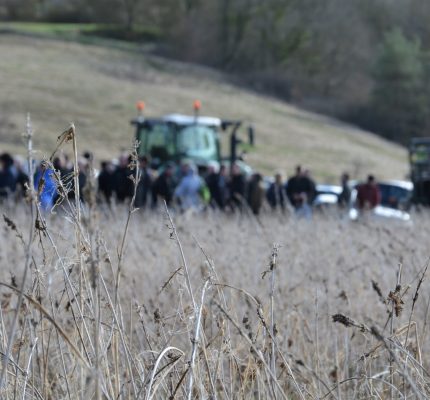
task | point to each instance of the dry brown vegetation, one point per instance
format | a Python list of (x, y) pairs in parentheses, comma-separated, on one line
[(126, 305), (97, 87)]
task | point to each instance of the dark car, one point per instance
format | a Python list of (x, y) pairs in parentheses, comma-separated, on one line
[(396, 194)]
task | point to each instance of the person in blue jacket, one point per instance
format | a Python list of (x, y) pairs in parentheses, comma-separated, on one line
[(49, 190)]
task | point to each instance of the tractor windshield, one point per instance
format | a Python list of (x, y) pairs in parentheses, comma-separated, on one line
[(198, 142), (166, 141), (158, 141)]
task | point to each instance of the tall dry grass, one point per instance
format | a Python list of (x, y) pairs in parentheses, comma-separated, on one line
[(124, 304)]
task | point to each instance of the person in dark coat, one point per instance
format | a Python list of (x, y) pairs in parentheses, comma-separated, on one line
[(144, 185), (7, 178), (105, 181), (276, 194), (300, 188), (237, 188), (83, 171), (123, 185), (66, 176), (345, 196), (309, 186), (216, 182), (301, 192), (164, 186), (21, 179), (255, 195)]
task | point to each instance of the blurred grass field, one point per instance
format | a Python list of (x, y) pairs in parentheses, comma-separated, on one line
[(326, 267)]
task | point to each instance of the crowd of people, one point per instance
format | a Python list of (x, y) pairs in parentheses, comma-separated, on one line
[(222, 187)]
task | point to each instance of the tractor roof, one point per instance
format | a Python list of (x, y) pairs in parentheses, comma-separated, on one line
[(180, 119), (187, 120)]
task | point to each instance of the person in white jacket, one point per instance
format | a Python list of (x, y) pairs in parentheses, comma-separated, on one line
[(188, 189)]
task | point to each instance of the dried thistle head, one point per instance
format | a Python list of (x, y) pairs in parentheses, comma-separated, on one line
[(157, 316), (342, 319), (10, 224), (343, 295), (348, 322), (67, 135), (272, 260), (133, 162), (41, 184), (396, 299)]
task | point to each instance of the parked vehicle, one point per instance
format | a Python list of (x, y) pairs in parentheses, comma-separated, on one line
[(396, 199), (327, 195), (396, 194)]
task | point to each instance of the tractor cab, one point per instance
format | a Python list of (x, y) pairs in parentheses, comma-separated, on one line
[(178, 137)]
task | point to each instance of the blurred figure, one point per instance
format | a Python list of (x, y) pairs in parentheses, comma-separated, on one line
[(188, 189), (255, 193), (301, 192), (123, 185), (237, 188), (216, 181), (368, 194), (59, 164), (83, 172), (294, 188), (144, 185), (105, 181), (164, 186), (276, 193), (21, 179), (310, 186), (7, 177), (223, 185), (88, 155), (65, 174), (345, 195)]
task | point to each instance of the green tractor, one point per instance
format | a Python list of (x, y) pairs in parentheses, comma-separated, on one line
[(178, 137)]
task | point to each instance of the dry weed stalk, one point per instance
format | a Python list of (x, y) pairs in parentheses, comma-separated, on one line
[(28, 255), (175, 237), (272, 269)]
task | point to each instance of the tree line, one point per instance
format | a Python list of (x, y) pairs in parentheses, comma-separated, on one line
[(364, 61)]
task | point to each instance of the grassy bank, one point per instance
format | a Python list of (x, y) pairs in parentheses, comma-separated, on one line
[(96, 87)]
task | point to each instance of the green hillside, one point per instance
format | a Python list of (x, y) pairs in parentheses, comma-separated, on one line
[(96, 87)]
